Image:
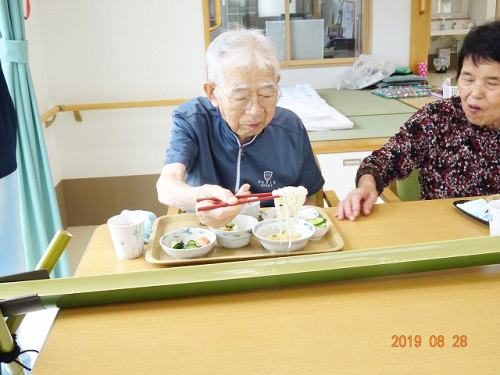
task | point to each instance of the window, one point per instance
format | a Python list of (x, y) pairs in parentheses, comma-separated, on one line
[(305, 32)]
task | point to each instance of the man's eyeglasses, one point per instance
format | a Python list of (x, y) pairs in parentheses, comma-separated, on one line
[(241, 103)]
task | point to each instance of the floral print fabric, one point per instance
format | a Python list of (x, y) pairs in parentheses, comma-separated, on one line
[(456, 158)]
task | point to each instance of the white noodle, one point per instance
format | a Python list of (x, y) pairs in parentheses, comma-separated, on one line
[(291, 198)]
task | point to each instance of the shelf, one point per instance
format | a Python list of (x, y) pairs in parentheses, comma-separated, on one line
[(449, 32)]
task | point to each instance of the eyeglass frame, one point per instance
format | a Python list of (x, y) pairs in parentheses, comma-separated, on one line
[(248, 99)]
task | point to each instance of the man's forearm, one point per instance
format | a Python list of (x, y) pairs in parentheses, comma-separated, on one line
[(176, 193)]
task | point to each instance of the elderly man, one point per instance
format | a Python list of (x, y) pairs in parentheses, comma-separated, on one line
[(236, 139)]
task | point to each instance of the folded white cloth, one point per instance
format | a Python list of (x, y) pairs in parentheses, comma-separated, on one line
[(148, 216), (314, 111), (476, 207)]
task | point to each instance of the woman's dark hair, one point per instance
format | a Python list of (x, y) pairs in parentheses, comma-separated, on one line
[(482, 43)]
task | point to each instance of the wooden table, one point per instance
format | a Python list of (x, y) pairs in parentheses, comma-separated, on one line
[(340, 327)]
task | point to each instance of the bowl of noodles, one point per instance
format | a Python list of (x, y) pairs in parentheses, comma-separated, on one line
[(276, 237)]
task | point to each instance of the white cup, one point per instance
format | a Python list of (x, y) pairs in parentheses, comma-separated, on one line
[(127, 234), (494, 214)]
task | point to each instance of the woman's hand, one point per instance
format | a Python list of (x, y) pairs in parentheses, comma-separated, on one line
[(220, 216), (359, 200)]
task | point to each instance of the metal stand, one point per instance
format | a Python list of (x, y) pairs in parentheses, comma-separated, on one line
[(7, 345), (11, 323)]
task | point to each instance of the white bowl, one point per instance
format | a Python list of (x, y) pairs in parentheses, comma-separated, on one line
[(185, 235), (237, 238), (267, 227), (251, 209), (320, 232), (305, 213)]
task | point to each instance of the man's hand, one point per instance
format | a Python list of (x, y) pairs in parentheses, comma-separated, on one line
[(359, 200), (220, 216)]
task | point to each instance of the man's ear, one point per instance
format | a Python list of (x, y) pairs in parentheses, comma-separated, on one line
[(278, 78), (209, 88)]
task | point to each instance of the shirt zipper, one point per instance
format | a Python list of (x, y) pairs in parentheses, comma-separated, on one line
[(238, 162)]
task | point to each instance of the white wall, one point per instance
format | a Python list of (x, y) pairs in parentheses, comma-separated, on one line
[(391, 30), (86, 51), (40, 78)]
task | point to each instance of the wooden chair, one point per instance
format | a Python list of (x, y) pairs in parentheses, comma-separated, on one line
[(331, 198)]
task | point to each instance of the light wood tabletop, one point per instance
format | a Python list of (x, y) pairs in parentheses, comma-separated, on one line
[(418, 102), (432, 322)]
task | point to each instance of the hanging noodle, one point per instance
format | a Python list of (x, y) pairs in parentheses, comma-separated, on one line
[(291, 198)]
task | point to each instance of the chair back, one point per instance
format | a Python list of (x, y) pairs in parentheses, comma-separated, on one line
[(408, 189)]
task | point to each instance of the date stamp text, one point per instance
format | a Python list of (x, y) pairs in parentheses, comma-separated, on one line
[(432, 341)]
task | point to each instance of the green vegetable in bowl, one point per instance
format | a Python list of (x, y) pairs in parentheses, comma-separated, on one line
[(318, 222), (191, 245), (177, 245)]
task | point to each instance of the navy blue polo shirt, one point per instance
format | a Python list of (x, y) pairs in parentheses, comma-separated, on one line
[(280, 156), (8, 130)]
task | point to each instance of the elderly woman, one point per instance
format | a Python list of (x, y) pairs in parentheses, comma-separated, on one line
[(455, 142), (236, 139)]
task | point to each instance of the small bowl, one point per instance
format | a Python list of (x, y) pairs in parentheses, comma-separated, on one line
[(305, 213), (185, 235), (270, 226), (250, 209), (320, 232), (237, 238)]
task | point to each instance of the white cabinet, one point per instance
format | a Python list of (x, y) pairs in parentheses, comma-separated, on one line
[(339, 170)]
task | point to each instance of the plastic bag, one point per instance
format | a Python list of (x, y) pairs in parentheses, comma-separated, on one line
[(366, 71)]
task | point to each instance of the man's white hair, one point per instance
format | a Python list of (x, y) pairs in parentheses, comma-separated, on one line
[(240, 48)]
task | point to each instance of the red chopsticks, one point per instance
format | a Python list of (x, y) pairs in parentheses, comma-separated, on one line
[(242, 199), (238, 196)]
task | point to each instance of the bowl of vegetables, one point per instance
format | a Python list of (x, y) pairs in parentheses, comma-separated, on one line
[(186, 243), (236, 233), (322, 226)]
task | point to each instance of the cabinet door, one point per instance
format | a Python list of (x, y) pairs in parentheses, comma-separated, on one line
[(339, 171), (304, 32)]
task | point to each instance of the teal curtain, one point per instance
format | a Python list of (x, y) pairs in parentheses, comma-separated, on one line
[(39, 211)]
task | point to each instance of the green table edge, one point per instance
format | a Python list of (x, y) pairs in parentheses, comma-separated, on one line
[(256, 274)]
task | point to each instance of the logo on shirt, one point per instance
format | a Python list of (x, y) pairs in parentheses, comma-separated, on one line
[(267, 182)]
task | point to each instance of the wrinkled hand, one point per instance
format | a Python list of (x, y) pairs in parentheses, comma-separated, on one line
[(220, 216), (360, 200)]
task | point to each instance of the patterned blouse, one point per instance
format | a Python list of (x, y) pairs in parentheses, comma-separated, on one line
[(455, 157)]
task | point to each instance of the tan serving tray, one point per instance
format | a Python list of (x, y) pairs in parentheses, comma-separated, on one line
[(332, 241)]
